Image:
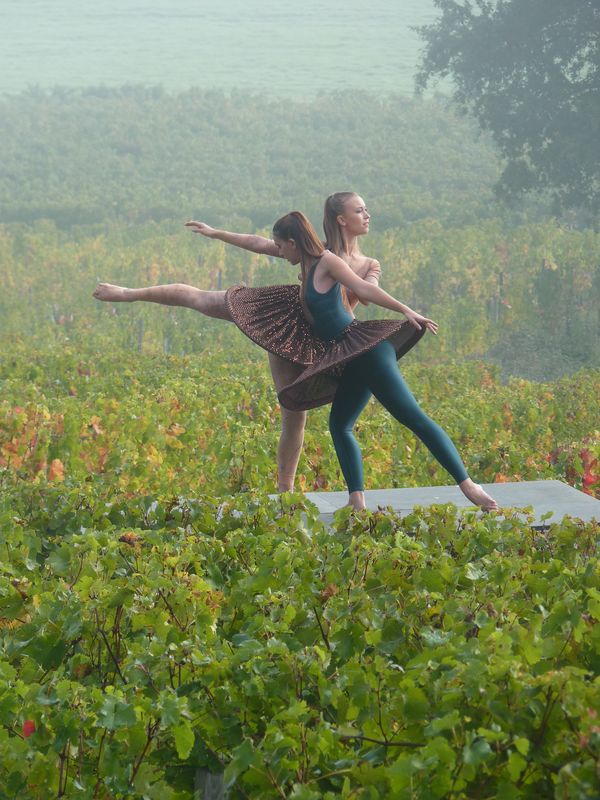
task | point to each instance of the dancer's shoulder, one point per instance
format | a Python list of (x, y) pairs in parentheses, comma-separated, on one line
[(328, 258)]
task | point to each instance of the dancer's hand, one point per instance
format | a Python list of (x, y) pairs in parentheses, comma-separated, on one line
[(201, 227), (419, 321)]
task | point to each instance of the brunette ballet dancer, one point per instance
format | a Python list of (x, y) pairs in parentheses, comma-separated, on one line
[(272, 316)]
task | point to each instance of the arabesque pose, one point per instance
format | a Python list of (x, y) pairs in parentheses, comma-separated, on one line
[(271, 315)]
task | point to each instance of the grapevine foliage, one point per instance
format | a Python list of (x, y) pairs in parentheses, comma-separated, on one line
[(428, 657)]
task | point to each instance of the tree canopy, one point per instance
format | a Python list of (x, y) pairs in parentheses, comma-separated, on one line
[(529, 71)]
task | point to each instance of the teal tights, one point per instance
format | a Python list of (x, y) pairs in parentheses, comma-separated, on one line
[(377, 373)]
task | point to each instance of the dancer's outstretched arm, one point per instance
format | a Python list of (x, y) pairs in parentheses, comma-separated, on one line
[(337, 270), (247, 241), (264, 246)]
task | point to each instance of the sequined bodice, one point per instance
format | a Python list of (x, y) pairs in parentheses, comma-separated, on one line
[(330, 315)]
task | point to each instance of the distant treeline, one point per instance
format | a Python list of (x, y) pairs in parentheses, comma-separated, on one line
[(136, 154)]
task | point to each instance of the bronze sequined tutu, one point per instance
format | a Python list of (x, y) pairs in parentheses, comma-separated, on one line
[(272, 316), (317, 385)]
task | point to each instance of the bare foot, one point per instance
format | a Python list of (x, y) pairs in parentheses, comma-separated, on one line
[(111, 293), (473, 492), (353, 507), (356, 501)]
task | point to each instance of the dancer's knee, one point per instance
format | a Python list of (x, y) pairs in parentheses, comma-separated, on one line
[(290, 447), (292, 423), (420, 424), (340, 428), (335, 428)]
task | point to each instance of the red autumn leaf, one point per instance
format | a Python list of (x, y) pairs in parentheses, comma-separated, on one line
[(507, 415), (590, 479), (487, 381), (28, 728)]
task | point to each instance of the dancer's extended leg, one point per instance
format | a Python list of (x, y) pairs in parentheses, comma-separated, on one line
[(212, 304)]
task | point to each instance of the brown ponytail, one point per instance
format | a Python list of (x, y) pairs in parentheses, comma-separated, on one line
[(299, 228), (334, 238), (334, 206)]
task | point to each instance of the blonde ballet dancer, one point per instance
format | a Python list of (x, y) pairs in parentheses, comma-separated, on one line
[(359, 359)]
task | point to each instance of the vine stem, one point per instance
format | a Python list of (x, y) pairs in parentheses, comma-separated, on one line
[(323, 634), (149, 736), (550, 703), (379, 719), (173, 614), (99, 780), (276, 786), (331, 774), (346, 738), (79, 571), (112, 655), (80, 763), (64, 765)]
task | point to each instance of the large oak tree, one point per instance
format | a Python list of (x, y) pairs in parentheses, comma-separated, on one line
[(529, 71)]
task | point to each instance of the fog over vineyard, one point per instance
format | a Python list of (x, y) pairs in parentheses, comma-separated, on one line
[(170, 627), (292, 49)]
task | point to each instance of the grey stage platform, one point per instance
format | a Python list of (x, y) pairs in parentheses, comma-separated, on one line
[(542, 496)]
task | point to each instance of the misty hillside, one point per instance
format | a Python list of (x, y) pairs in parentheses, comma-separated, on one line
[(97, 154)]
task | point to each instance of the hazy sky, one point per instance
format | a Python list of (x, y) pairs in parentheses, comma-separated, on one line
[(266, 45)]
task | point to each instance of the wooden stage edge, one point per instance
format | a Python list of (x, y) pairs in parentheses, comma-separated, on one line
[(545, 497)]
